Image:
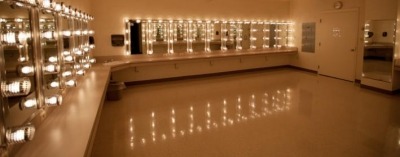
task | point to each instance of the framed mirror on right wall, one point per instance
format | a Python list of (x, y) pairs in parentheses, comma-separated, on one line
[(381, 51)]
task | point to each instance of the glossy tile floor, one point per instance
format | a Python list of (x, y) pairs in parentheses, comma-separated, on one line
[(277, 113)]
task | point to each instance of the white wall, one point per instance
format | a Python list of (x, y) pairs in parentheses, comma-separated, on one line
[(109, 15), (309, 11)]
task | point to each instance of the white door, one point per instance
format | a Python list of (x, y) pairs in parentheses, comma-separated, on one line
[(337, 34)]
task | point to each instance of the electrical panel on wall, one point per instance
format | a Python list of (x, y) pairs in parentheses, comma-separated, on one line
[(44, 48)]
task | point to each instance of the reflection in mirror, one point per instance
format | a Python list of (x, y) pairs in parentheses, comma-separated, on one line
[(187, 36), (379, 49)]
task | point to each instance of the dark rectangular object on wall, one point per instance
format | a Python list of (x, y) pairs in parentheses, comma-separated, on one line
[(308, 37), (117, 40)]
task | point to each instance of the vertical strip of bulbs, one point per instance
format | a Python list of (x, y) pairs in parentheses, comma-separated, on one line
[(366, 30), (253, 38), (290, 34), (266, 32), (232, 30), (170, 37), (278, 35), (207, 27), (190, 37), (239, 38), (224, 37), (127, 37), (149, 37)]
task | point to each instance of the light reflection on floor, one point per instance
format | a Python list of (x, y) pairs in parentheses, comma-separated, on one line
[(266, 113)]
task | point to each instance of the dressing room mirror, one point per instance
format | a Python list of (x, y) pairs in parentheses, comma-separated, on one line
[(18, 81), (187, 36), (379, 49)]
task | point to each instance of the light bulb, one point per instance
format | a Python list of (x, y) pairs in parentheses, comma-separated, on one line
[(80, 72), (65, 53), (48, 35), (92, 60), (28, 103), (91, 46), (22, 59), (54, 100), (67, 33), (67, 73), (53, 59), (16, 87), (86, 49), (78, 52), (70, 83), (54, 84), (58, 7), (46, 3), (87, 65), (26, 70), (22, 36), (68, 59), (20, 134), (51, 68)]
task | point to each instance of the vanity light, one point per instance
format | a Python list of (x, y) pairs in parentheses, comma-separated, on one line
[(87, 65), (20, 134), (26, 70), (70, 83), (54, 100), (68, 58), (54, 84), (80, 72), (78, 52), (58, 7), (67, 33), (53, 59), (92, 60), (16, 87), (28, 103), (48, 35), (51, 68), (22, 59), (45, 3), (67, 73)]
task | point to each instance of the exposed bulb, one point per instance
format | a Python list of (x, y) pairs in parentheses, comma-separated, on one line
[(87, 65), (51, 68), (54, 100), (26, 70), (67, 73), (16, 87), (53, 59), (68, 59), (54, 84), (67, 33), (70, 83), (28, 103), (80, 72), (20, 134)]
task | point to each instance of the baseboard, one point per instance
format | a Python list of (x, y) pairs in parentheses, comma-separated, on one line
[(303, 69), (380, 90), (357, 81)]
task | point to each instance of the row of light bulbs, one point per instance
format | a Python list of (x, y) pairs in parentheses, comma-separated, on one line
[(151, 26), (78, 58)]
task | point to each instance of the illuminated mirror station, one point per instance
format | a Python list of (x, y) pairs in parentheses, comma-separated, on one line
[(188, 36), (44, 50)]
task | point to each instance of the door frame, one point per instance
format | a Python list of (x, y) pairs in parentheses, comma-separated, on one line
[(356, 44)]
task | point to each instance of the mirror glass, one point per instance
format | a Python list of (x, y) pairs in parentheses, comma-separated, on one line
[(17, 70), (187, 36), (379, 49)]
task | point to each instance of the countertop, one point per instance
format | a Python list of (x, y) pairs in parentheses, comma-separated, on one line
[(126, 61), (68, 130)]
